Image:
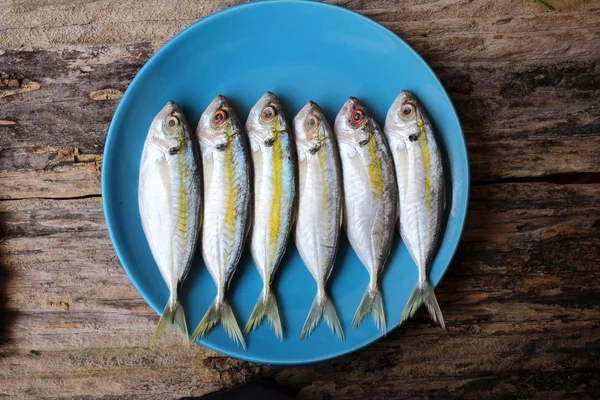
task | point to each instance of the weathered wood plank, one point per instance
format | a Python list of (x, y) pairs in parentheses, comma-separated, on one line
[(48, 172), (521, 302), (529, 110), (460, 25), (544, 116), (63, 112)]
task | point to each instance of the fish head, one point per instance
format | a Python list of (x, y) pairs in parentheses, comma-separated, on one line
[(266, 119), (168, 127), (353, 125), (311, 128), (218, 123), (406, 118)]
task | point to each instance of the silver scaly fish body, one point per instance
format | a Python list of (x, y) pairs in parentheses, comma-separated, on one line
[(420, 177), (274, 164), (169, 197), (319, 209), (370, 199), (226, 167)]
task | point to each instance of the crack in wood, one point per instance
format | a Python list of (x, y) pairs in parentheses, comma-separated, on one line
[(17, 86), (106, 94), (571, 178), (87, 196)]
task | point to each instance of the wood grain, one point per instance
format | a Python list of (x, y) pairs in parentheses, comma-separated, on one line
[(521, 298)]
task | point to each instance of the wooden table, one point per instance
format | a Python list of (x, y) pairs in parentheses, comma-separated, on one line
[(521, 300)]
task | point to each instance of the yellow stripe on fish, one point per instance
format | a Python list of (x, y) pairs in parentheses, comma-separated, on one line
[(182, 217), (374, 169), (230, 217), (426, 160), (322, 155), (277, 181)]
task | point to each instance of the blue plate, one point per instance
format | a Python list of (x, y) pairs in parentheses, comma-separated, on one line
[(301, 51)]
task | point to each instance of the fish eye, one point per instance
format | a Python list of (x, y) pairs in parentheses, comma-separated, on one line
[(172, 122), (407, 111), (268, 114), (357, 118), (312, 122), (219, 118)]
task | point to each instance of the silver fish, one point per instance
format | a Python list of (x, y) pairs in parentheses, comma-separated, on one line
[(370, 199), (226, 166), (274, 165), (319, 209), (421, 189), (169, 197)]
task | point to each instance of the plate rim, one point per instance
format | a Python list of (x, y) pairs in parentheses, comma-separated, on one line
[(107, 207)]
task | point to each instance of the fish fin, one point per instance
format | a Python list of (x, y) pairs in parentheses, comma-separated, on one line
[(314, 316), (180, 323), (273, 316), (331, 318), (171, 316), (320, 310), (423, 294), (371, 303), (225, 316), (265, 308), (231, 326), (379, 312)]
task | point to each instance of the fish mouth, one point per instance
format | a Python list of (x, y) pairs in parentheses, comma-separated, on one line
[(170, 106), (169, 109), (348, 105), (268, 98), (352, 102), (405, 97), (310, 107), (219, 102), (222, 102)]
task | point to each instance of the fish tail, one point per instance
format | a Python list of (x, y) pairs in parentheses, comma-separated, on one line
[(322, 308), (171, 316), (220, 313), (423, 294), (266, 306), (371, 302)]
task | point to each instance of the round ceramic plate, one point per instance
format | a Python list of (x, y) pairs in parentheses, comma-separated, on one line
[(301, 51)]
